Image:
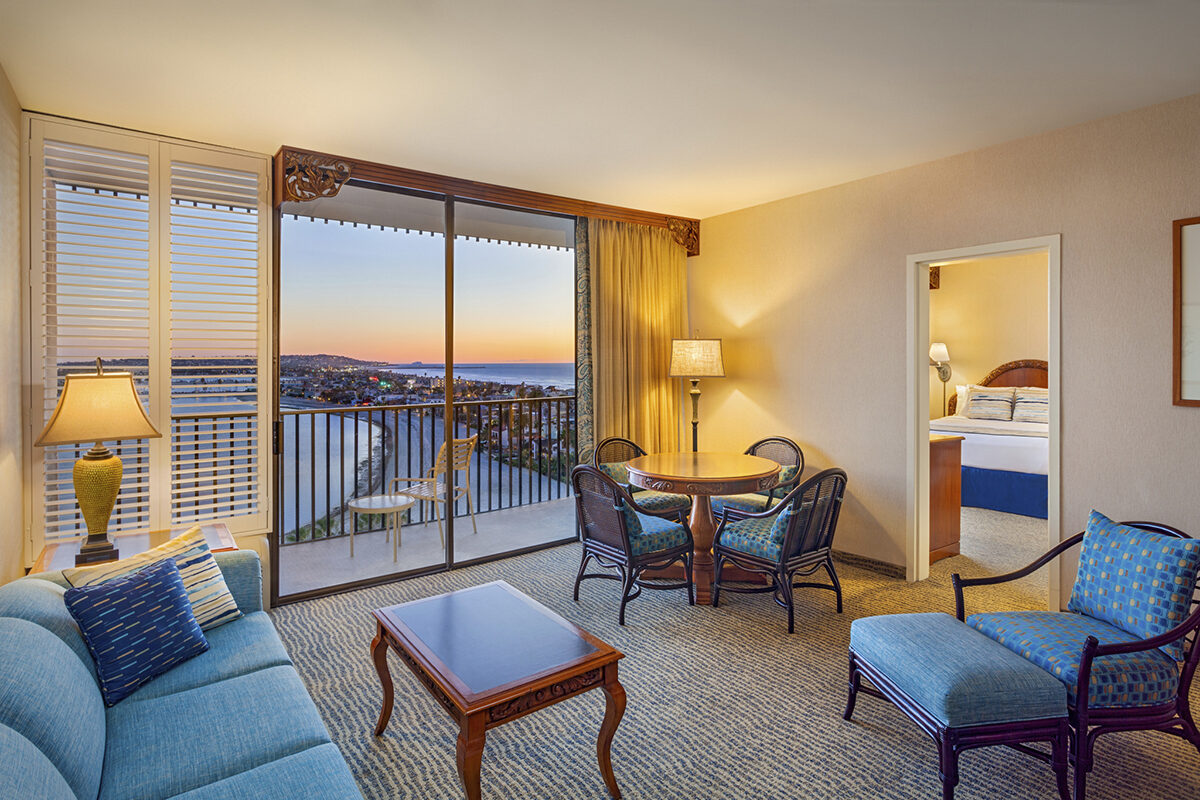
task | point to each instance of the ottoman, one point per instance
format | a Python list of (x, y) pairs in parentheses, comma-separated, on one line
[(960, 687)]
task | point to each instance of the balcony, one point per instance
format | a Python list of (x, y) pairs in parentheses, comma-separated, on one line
[(519, 485)]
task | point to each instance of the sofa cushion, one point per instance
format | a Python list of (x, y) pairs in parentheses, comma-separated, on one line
[(48, 697), (168, 745), (955, 674), (655, 534), (41, 602), (287, 778), (211, 601), (136, 627), (1054, 641), (1139, 581), (243, 646), (30, 773)]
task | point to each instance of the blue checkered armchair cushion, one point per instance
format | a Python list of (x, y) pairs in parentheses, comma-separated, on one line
[(615, 470), (1054, 641), (649, 534), (662, 501), (762, 537), (1139, 581)]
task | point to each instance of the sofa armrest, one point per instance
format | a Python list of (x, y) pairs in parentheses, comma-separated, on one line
[(242, 571)]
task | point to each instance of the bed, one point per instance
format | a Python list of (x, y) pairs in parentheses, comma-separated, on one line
[(1004, 463)]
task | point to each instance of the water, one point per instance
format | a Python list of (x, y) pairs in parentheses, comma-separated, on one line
[(558, 374)]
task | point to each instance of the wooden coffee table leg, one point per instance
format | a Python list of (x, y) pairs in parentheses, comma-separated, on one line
[(379, 648), (703, 526), (471, 738), (614, 709)]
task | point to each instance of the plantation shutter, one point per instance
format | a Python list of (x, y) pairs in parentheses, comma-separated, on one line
[(153, 255)]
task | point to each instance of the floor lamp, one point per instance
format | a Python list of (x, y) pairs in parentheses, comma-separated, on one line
[(695, 359)]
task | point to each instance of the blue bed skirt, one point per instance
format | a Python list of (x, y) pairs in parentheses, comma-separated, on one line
[(1000, 490)]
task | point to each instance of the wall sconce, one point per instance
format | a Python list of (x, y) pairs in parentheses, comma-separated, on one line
[(939, 357)]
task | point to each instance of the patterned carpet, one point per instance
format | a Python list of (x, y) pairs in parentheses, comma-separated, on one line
[(722, 702)]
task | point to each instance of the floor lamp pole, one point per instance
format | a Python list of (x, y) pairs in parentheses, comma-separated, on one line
[(695, 393)]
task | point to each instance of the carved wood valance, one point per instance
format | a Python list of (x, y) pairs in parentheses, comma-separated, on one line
[(302, 175)]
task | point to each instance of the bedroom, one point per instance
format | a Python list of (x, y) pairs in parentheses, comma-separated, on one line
[(988, 328)]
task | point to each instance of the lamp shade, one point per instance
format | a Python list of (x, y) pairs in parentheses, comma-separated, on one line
[(939, 353), (696, 358), (95, 408)]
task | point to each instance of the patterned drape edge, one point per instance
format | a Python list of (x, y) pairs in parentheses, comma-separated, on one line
[(584, 410)]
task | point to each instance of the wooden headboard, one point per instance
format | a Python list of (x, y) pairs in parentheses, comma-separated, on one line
[(1026, 372)]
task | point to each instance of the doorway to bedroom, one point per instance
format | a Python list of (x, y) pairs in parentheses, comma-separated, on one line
[(983, 402)]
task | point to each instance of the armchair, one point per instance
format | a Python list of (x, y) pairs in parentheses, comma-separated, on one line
[(792, 538), (1126, 648), (610, 457), (790, 458)]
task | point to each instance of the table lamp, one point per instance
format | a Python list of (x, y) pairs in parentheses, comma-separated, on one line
[(939, 357), (95, 408), (695, 359)]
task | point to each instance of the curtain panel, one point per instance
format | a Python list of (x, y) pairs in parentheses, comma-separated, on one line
[(637, 304)]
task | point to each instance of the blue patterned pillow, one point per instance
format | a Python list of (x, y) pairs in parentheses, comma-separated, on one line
[(633, 523), (136, 627), (615, 470), (1138, 581), (779, 526)]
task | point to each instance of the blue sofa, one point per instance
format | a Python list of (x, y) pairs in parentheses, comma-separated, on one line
[(234, 723)]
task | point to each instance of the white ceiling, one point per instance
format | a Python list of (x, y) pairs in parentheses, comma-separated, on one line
[(691, 107)]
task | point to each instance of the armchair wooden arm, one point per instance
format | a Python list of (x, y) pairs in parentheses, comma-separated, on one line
[(960, 582)]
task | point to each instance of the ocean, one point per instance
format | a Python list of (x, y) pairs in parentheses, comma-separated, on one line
[(557, 374)]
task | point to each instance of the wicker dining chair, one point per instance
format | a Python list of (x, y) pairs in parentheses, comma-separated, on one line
[(610, 457), (623, 537), (793, 538), (434, 487), (788, 455)]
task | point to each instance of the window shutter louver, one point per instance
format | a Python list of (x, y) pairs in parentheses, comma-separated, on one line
[(153, 256)]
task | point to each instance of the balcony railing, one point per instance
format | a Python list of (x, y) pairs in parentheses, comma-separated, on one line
[(526, 450)]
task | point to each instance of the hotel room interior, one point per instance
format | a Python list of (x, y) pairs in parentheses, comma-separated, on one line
[(858, 306)]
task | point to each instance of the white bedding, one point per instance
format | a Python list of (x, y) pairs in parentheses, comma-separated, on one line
[(987, 444)]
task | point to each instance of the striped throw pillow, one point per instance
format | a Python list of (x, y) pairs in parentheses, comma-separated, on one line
[(1031, 405), (989, 402), (212, 604)]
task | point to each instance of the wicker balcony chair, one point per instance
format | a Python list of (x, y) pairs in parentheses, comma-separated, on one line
[(434, 487), (1133, 680), (622, 536), (793, 538), (610, 457), (782, 451)]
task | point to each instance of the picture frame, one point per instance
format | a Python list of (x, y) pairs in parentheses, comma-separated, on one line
[(1185, 234)]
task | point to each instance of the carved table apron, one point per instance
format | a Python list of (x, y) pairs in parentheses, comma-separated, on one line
[(472, 651), (703, 475)]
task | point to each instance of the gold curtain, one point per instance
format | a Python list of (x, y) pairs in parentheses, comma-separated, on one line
[(639, 303)]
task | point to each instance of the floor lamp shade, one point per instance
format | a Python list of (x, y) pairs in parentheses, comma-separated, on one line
[(97, 408), (696, 359)]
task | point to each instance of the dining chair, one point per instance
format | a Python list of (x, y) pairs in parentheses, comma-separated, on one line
[(454, 456), (622, 536), (793, 538), (782, 451), (610, 457)]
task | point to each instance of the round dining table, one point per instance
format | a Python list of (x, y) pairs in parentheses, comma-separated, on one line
[(703, 475)]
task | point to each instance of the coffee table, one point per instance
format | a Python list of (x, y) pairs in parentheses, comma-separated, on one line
[(489, 655), (392, 506)]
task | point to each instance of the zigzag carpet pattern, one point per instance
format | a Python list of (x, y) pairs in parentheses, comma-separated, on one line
[(722, 703)]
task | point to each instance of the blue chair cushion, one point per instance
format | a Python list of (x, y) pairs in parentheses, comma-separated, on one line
[(50, 699), (662, 501), (655, 534), (615, 470), (1054, 641), (136, 627), (1139, 581), (174, 744), (29, 773), (753, 502), (238, 648), (754, 537), (287, 778), (785, 475), (954, 673)]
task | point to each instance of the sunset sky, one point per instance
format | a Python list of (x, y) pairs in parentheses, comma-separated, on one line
[(377, 295)]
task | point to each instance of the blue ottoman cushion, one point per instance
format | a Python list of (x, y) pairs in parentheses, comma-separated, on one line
[(957, 674)]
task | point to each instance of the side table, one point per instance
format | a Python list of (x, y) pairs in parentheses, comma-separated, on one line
[(61, 554), (392, 506)]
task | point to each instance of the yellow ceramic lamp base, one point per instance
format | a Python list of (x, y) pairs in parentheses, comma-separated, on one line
[(97, 482)]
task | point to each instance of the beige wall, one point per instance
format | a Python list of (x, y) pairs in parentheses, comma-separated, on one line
[(988, 312), (11, 517), (809, 294)]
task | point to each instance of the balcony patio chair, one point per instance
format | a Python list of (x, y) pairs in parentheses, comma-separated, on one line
[(623, 536), (790, 458), (793, 538), (434, 487), (1126, 646), (610, 457)]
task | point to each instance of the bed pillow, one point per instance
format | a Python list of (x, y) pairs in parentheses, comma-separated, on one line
[(211, 600), (136, 627), (1031, 404), (990, 402), (963, 393)]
